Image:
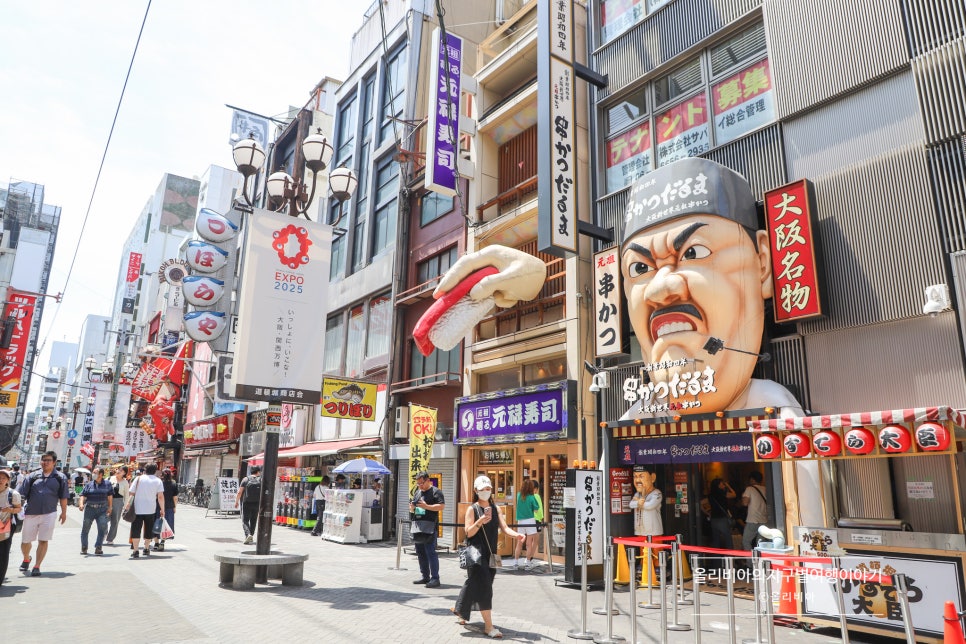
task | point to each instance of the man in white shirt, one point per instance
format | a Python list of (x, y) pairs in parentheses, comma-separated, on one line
[(756, 500), (147, 495)]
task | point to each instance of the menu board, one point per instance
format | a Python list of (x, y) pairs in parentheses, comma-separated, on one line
[(558, 523), (621, 490)]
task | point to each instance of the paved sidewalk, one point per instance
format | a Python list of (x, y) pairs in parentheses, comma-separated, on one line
[(351, 594)]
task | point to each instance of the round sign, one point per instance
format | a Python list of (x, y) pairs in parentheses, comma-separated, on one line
[(70, 442), (932, 437), (894, 439), (767, 446), (859, 441), (172, 271), (205, 326), (71, 433), (205, 257), (827, 443), (797, 445), (201, 290), (214, 226)]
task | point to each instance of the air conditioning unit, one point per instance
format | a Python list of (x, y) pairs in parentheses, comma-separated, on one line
[(402, 421), (444, 433)]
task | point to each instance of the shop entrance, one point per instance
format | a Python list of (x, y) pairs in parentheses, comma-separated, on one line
[(548, 468)]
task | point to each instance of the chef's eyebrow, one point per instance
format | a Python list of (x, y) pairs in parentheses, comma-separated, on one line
[(687, 232), (637, 248)]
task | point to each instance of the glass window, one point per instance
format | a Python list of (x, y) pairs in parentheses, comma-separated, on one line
[(435, 266), (629, 154), (362, 212), (387, 197), (432, 206), (438, 362), (553, 370), (630, 108), (367, 108), (393, 88), (499, 380), (380, 324), (346, 133), (734, 52), (333, 345), (616, 16), (337, 265), (678, 83), (743, 96), (354, 344), (681, 130)]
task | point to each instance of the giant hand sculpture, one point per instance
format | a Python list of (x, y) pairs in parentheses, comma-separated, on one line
[(496, 275)]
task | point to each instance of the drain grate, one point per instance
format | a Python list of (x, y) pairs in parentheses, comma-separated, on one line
[(225, 539)]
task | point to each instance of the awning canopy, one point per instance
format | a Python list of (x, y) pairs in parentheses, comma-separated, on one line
[(834, 421), (320, 448)]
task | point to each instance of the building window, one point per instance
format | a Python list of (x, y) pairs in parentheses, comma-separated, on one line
[(534, 373), (380, 326), (361, 212), (387, 200), (333, 345), (393, 89), (435, 266), (742, 95), (628, 146), (617, 16), (355, 342), (367, 108), (436, 367), (681, 130), (337, 265), (432, 206), (346, 133)]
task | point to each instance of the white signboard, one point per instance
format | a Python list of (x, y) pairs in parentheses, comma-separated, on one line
[(931, 583), (589, 518), (136, 440), (629, 156), (228, 494), (743, 102), (102, 400), (282, 309), (562, 30), (608, 303), (682, 131), (920, 490), (563, 155)]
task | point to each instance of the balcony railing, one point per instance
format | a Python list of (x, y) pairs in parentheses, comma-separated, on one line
[(440, 379), (508, 199)]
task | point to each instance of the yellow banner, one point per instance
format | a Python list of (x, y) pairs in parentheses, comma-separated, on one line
[(422, 431), (351, 399)]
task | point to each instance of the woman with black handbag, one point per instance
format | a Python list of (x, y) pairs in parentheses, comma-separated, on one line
[(10, 505), (483, 522)]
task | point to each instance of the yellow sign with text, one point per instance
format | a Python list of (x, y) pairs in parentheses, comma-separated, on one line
[(422, 432), (350, 399)]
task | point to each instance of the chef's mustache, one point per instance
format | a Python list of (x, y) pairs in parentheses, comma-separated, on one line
[(688, 309)]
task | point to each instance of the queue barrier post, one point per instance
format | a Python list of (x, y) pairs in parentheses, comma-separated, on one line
[(902, 590), (840, 603), (609, 610), (664, 627), (769, 606), (399, 540), (759, 595), (696, 596), (675, 625), (546, 547), (648, 569), (681, 563), (632, 570), (730, 574), (582, 633)]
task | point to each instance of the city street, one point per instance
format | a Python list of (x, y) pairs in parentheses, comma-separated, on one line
[(351, 594)]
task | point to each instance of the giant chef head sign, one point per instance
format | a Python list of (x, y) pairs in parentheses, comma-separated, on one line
[(696, 272)]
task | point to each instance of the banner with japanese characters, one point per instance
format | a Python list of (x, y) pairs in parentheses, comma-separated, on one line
[(443, 114), (629, 156), (789, 215), (102, 400), (589, 524), (131, 278), (422, 433), (743, 102), (20, 308), (616, 16), (350, 399), (682, 131), (227, 494), (282, 309), (608, 303)]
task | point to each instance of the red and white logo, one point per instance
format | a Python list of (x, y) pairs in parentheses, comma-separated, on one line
[(292, 245)]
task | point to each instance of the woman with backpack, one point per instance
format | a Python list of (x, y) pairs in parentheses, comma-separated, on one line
[(10, 505)]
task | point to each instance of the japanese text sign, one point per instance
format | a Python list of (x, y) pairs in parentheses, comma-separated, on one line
[(350, 399), (723, 447), (422, 433), (629, 156), (20, 307), (789, 212), (743, 102), (542, 412), (608, 303), (682, 131), (589, 516), (443, 115)]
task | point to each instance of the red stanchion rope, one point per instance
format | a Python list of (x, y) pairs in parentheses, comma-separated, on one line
[(716, 551), (641, 542)]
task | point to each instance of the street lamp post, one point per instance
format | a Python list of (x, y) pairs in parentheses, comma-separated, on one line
[(78, 399), (295, 200)]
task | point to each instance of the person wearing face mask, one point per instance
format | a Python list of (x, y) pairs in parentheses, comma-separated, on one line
[(95, 501), (483, 522)]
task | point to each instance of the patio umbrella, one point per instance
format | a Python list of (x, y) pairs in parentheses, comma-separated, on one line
[(362, 466), (82, 470)]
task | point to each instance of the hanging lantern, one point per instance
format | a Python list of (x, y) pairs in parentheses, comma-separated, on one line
[(797, 445), (859, 441), (214, 226), (933, 437), (827, 443), (205, 326), (201, 290), (894, 439), (767, 446), (204, 257)]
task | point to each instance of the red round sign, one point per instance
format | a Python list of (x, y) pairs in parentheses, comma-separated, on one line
[(894, 439), (767, 446), (932, 437), (859, 441), (797, 445), (827, 443), (56, 435)]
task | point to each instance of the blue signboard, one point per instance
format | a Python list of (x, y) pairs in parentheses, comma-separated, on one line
[(71, 433), (717, 447), (541, 412)]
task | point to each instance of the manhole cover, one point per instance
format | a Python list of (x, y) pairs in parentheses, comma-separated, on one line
[(225, 539)]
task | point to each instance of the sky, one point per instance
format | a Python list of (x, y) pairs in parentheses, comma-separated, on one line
[(62, 72)]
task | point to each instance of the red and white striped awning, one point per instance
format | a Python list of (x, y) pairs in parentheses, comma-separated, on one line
[(916, 415)]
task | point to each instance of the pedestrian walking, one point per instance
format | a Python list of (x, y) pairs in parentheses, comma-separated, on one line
[(427, 506), (10, 505), (755, 498), (16, 478), (318, 497), (483, 521), (43, 491), (249, 493), (526, 509), (120, 489), (170, 502), (147, 492), (95, 501)]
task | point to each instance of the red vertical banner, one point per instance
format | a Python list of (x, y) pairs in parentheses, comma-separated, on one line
[(19, 308), (789, 214)]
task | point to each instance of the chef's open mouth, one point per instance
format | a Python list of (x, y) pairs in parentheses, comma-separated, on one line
[(674, 319)]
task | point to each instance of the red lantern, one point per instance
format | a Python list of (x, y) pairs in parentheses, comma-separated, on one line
[(767, 447), (797, 445), (894, 439), (859, 441), (933, 437), (827, 443)]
